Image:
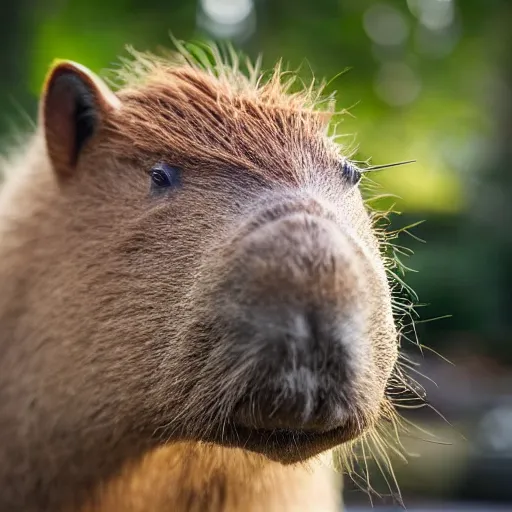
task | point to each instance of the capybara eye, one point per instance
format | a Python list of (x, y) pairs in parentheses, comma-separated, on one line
[(350, 172), (164, 176)]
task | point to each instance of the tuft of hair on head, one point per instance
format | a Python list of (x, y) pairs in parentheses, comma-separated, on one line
[(235, 74)]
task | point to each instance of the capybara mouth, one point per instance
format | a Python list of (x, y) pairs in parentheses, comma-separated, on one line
[(293, 431), (291, 438), (287, 446), (304, 405)]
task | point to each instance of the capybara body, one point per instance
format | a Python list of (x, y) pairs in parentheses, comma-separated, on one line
[(194, 304)]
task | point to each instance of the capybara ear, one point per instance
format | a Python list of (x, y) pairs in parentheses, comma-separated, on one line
[(74, 104)]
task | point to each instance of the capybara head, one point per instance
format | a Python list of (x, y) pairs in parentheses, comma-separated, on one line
[(202, 265)]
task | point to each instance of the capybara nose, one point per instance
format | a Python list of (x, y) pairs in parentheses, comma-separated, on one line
[(296, 297)]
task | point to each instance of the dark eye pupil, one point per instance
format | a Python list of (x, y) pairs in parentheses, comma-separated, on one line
[(164, 176), (350, 172), (160, 178)]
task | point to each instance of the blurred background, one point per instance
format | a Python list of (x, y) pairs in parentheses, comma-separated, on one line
[(429, 80)]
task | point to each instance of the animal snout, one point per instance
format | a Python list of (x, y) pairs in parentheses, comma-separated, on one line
[(293, 305)]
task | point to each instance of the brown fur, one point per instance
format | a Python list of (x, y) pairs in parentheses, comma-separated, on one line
[(226, 479), (124, 355)]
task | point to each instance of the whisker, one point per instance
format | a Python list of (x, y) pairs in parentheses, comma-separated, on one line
[(374, 168)]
